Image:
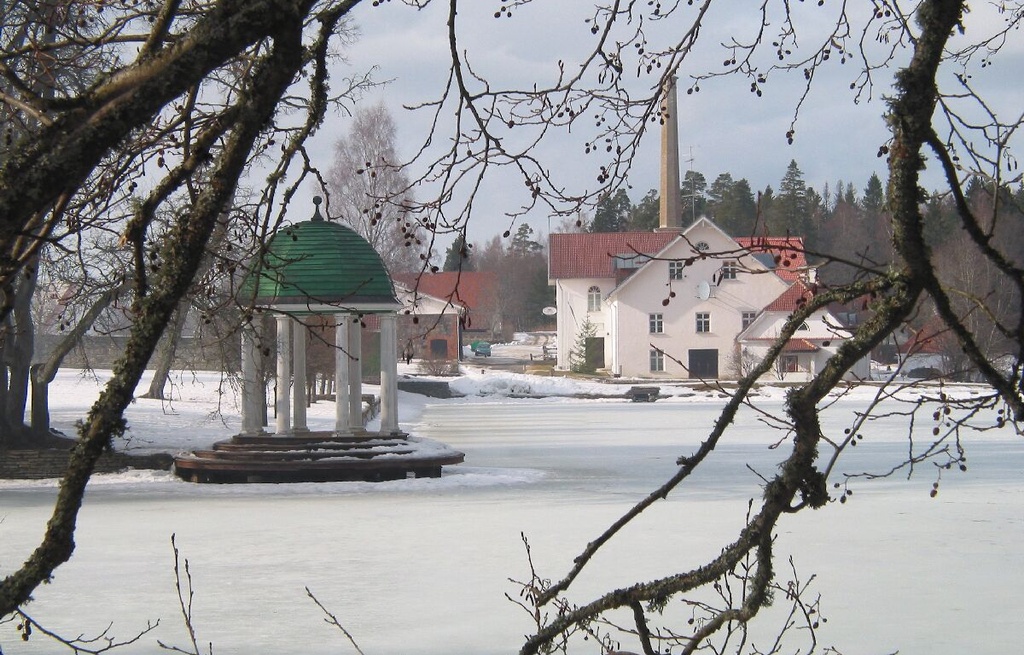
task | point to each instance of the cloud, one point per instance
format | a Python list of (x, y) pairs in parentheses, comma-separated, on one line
[(723, 128)]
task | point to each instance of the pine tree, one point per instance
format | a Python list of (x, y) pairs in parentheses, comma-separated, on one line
[(612, 213), (646, 215), (694, 196), (731, 205), (523, 243)]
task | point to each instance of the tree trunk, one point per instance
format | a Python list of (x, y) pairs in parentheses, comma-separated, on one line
[(6, 429), (165, 354), (40, 413), (169, 346), (18, 349), (43, 375)]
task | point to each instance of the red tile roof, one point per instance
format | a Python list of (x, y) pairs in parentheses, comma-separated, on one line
[(788, 253), (585, 254), (593, 254), (793, 298), (929, 339), (470, 289), (794, 345), (799, 346)]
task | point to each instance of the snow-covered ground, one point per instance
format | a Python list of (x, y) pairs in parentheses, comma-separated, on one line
[(422, 566)]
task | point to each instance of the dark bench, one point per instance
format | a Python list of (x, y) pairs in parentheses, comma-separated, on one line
[(643, 394)]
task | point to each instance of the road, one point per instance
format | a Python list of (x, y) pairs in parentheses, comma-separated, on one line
[(527, 348)]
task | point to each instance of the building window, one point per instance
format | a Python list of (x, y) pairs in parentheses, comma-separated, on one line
[(790, 364), (675, 270), (701, 246), (748, 318), (703, 322), (657, 360), (656, 323), (729, 270), (594, 299)]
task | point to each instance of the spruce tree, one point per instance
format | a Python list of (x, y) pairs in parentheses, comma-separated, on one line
[(457, 258), (874, 197)]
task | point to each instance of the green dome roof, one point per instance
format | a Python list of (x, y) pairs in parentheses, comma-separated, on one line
[(317, 262)]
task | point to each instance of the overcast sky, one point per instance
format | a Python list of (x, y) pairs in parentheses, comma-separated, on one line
[(724, 128)]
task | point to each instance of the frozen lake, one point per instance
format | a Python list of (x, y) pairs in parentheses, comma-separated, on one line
[(422, 566)]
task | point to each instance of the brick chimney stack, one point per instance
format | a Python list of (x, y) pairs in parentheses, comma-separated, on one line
[(670, 214)]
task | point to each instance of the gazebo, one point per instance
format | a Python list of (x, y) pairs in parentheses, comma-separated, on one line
[(318, 268)]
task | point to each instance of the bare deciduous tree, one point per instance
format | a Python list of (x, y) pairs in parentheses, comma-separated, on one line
[(370, 191), (187, 95), (248, 53)]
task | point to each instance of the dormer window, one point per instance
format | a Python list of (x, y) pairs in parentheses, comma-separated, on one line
[(630, 261)]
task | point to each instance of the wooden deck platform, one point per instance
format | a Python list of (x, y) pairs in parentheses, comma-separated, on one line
[(316, 457)]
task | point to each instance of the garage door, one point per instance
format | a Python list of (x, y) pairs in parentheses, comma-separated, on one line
[(704, 363)]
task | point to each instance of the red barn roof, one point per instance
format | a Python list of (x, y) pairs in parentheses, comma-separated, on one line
[(468, 289)]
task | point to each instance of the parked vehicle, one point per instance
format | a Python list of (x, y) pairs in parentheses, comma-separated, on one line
[(924, 373), (480, 348)]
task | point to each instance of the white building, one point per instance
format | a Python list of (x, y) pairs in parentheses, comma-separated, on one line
[(682, 304), (685, 302), (807, 351)]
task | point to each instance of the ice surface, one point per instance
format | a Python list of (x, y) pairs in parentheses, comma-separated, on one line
[(422, 566)]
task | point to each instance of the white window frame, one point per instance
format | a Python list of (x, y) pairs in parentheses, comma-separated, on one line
[(675, 270), (748, 317), (702, 322), (657, 360), (594, 299), (656, 323), (729, 269)]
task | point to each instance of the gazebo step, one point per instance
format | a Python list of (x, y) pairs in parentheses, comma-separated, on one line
[(409, 461), (296, 455), (307, 446), (270, 467), (308, 437)]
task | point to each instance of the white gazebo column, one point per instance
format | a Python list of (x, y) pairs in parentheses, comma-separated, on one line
[(283, 425), (355, 374), (299, 373), (252, 417), (342, 410), (388, 374)]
